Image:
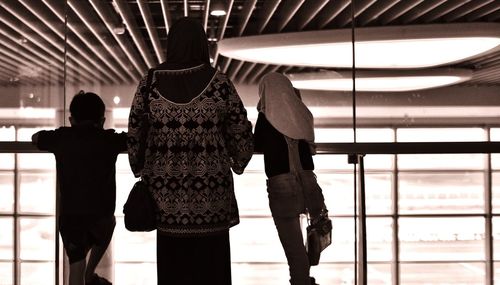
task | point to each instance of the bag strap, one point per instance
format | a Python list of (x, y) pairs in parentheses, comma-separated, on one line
[(293, 155)]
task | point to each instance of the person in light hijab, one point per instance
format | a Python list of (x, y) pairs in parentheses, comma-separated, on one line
[(284, 133), (188, 131)]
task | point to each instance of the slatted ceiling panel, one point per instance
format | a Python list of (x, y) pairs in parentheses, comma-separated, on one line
[(373, 12), (234, 68), (465, 9), (483, 12), (81, 60), (328, 14), (112, 21), (92, 23), (343, 20), (442, 10), (397, 11), (420, 10), (246, 12), (97, 54), (289, 9), (265, 15), (124, 10), (151, 29), (93, 49), (242, 76), (257, 71), (221, 29), (303, 16)]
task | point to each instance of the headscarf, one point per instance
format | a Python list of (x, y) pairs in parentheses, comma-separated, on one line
[(284, 109), (187, 43), (187, 48)]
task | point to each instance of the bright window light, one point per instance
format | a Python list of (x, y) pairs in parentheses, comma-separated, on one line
[(392, 81), (376, 47)]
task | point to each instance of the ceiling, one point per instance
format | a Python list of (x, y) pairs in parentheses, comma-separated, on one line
[(115, 42)]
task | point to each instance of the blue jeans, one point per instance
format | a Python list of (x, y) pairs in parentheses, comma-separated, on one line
[(289, 196)]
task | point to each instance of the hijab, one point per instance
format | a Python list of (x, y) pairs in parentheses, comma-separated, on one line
[(284, 109), (188, 61), (187, 44)]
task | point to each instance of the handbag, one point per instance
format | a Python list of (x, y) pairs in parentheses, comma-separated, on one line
[(319, 237), (140, 209)]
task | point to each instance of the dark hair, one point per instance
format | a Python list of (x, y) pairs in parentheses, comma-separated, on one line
[(87, 106)]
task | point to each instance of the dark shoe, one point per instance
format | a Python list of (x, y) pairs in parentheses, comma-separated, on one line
[(97, 280), (313, 281)]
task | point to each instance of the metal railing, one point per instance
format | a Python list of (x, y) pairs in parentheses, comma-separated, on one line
[(355, 155)]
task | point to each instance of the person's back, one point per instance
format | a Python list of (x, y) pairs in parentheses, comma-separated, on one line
[(284, 133), (85, 162), (187, 129)]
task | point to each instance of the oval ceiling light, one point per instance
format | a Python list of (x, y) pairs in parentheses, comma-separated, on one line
[(218, 8), (376, 47), (379, 80)]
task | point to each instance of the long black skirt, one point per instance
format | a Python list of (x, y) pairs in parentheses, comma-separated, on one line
[(194, 261)]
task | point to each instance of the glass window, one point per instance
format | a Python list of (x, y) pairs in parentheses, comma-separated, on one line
[(251, 194), (468, 161), (441, 192), (331, 162), (442, 273), (327, 135), (441, 239), (37, 239), (135, 273), (374, 135), (338, 192), (6, 192), (6, 272), (36, 161), (7, 159), (378, 193), (40, 273), (247, 246), (495, 189), (37, 192), (7, 133), (378, 162), (496, 238), (6, 240), (244, 273), (342, 248), (495, 157), (440, 134), (133, 246), (379, 239)]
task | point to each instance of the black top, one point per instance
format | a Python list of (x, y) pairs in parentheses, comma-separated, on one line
[(272, 143), (85, 163)]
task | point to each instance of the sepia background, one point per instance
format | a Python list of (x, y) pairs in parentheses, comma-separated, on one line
[(432, 218)]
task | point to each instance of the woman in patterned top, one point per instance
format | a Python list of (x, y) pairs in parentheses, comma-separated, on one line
[(187, 129)]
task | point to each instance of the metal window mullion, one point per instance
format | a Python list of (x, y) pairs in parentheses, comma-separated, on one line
[(489, 276), (395, 211), (16, 248)]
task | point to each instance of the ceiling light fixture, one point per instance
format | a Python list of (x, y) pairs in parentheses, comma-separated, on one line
[(380, 80), (376, 47), (218, 8)]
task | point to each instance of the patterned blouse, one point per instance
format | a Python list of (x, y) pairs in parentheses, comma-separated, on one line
[(188, 155)]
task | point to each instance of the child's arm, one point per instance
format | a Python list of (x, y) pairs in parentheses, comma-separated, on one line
[(45, 140), (34, 138)]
